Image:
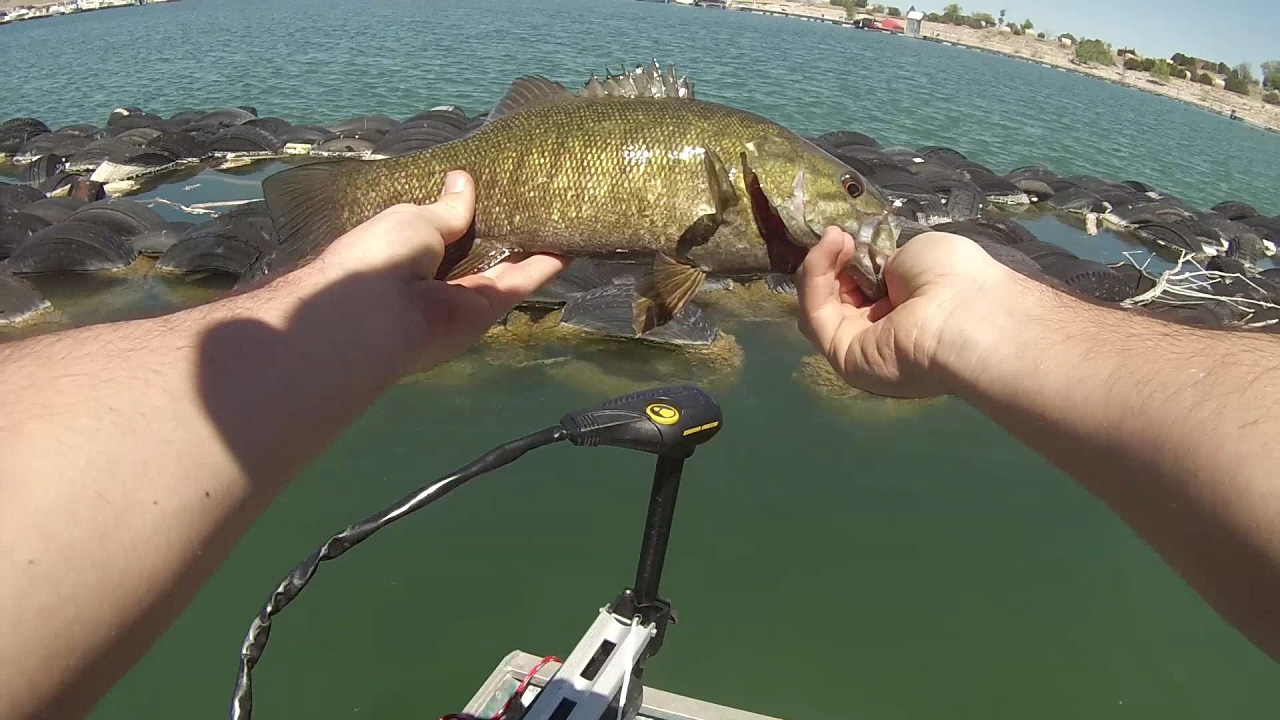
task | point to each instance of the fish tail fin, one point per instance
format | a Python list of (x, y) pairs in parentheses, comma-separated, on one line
[(307, 204)]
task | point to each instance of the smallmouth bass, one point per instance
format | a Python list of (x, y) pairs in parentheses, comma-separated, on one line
[(700, 187)]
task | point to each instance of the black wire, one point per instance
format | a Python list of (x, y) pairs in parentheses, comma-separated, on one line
[(255, 640)]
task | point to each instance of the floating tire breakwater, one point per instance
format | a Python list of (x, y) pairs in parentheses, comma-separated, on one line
[(64, 212)]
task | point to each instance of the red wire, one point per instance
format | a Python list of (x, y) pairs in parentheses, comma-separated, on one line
[(524, 685)]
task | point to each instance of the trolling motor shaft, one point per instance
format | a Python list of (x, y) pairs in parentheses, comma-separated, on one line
[(668, 422), (603, 676)]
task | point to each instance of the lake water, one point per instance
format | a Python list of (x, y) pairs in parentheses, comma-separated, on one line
[(832, 558)]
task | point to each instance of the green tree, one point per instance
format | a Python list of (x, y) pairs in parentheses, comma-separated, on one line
[(895, 12), (1041, 35), (1245, 72), (1205, 79), (985, 19), (933, 17), (1132, 63), (1223, 69), (1001, 21), (1271, 98), (1028, 25), (1271, 74), (1237, 84), (952, 11), (1160, 69), (1095, 51)]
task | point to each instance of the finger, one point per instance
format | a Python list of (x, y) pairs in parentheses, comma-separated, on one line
[(818, 289), (452, 212), (507, 284)]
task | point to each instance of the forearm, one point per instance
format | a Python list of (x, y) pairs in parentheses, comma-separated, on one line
[(1173, 427), (134, 455)]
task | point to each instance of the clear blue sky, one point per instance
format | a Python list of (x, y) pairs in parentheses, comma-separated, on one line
[(1230, 31)]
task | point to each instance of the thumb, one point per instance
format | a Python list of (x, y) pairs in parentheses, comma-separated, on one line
[(452, 213)]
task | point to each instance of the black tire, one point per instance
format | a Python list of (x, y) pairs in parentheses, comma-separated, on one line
[(1114, 197), (344, 145), (19, 299), (844, 138), (1036, 190), (116, 116), (1077, 200), (1012, 258), (209, 252), (244, 139), (444, 127), (23, 124), (1089, 182), (1032, 172), (15, 227), (124, 217), (944, 155), (995, 186), (99, 152), (273, 125), (36, 172), (132, 122), (179, 145), (155, 242), (305, 135), (975, 230), (372, 135), (607, 311), (1148, 211), (380, 123), (1138, 186), (186, 117), (54, 210), (1136, 281), (151, 158), (218, 120), (1040, 250), (1234, 210), (1269, 227), (71, 247), (77, 130), (58, 180), (453, 116), (1170, 235), (139, 137), (1088, 277), (14, 197)]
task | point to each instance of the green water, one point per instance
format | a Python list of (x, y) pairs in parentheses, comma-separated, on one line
[(831, 559)]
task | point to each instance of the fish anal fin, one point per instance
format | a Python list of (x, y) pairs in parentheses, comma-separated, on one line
[(661, 293), (483, 254), (526, 92)]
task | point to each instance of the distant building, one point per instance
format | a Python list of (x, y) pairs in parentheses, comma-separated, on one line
[(1126, 53), (915, 19), (1066, 41)]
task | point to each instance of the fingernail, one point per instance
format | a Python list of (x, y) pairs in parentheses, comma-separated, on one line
[(454, 183)]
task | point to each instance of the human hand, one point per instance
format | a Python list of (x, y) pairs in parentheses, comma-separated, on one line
[(403, 247), (910, 343)]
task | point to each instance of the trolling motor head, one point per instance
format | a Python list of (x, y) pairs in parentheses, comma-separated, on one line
[(669, 422)]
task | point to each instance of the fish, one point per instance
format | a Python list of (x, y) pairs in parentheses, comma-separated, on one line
[(622, 170)]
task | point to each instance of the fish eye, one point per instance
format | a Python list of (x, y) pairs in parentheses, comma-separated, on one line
[(852, 185)]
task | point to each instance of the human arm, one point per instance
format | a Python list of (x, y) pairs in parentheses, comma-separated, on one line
[(1173, 427), (134, 455)]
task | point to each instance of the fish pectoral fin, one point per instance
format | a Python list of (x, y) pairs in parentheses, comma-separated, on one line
[(660, 294), (719, 185), (526, 92), (480, 256)]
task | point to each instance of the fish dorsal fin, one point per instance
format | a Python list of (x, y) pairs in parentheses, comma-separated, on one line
[(648, 82), (527, 92)]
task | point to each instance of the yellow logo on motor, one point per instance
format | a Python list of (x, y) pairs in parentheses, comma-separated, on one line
[(663, 414)]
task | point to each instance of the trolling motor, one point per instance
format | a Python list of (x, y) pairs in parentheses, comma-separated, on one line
[(601, 678)]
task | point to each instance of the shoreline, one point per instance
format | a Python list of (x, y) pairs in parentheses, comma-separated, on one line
[(1051, 54)]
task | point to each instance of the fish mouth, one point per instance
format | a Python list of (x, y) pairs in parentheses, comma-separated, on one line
[(876, 240)]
